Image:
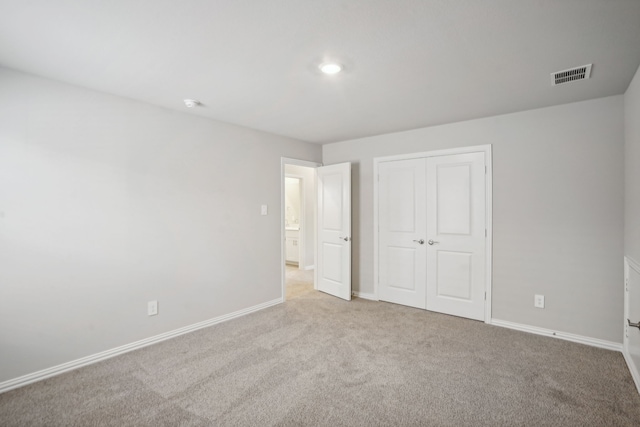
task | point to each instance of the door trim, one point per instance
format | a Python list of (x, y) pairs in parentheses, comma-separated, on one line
[(283, 271), (486, 149), (629, 263)]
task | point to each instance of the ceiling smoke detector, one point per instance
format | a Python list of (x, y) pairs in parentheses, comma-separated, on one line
[(190, 103), (571, 75)]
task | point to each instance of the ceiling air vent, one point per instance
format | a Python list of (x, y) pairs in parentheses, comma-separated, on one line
[(571, 75)]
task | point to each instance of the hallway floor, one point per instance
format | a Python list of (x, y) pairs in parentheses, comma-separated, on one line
[(298, 282)]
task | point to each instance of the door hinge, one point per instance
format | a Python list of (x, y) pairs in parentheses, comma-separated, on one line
[(485, 232), (485, 170), (485, 296)]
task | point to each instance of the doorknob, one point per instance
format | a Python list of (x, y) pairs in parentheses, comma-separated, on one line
[(432, 242), (634, 325), (421, 241), (346, 239)]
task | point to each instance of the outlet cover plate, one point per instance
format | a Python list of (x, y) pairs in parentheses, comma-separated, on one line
[(538, 301), (152, 308)]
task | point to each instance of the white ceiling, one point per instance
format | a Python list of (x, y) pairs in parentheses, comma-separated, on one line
[(409, 63)]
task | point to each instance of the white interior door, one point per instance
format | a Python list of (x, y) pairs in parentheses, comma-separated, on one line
[(402, 274), (456, 233), (631, 346), (333, 267)]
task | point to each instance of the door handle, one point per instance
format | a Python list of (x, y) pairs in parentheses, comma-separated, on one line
[(421, 241), (432, 242), (634, 325), (346, 239)]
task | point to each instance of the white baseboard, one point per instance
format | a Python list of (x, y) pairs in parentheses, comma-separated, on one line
[(365, 295), (595, 342), (98, 357)]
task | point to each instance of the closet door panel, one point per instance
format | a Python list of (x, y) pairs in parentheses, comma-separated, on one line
[(401, 217)]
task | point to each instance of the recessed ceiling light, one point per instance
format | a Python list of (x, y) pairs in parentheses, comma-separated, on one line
[(191, 103), (330, 68)]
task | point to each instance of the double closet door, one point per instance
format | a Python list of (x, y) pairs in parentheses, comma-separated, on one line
[(432, 233)]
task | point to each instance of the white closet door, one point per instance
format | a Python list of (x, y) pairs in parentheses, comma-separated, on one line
[(456, 235), (631, 339), (333, 270), (402, 233)]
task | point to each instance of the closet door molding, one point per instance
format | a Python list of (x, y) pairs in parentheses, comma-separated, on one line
[(486, 149)]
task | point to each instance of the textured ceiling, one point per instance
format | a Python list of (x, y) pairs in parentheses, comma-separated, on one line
[(409, 63)]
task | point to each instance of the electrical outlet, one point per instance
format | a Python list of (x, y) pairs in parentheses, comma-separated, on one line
[(538, 301), (152, 308), (264, 210)]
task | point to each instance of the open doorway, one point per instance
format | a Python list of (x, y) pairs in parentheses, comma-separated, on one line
[(298, 247), (298, 228)]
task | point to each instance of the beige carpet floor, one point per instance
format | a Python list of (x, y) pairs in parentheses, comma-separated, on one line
[(317, 360), (297, 282)]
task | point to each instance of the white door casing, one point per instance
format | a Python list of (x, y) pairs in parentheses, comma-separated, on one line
[(631, 337), (402, 232), (456, 233), (333, 262)]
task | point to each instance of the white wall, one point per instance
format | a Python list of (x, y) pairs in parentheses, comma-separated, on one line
[(557, 210), (107, 203), (309, 179), (632, 170)]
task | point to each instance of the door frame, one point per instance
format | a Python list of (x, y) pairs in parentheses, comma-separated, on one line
[(486, 149), (283, 271)]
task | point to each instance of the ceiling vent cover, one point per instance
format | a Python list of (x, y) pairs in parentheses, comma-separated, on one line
[(571, 75)]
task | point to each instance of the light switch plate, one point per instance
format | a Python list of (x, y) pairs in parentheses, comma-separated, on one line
[(264, 210), (152, 308)]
